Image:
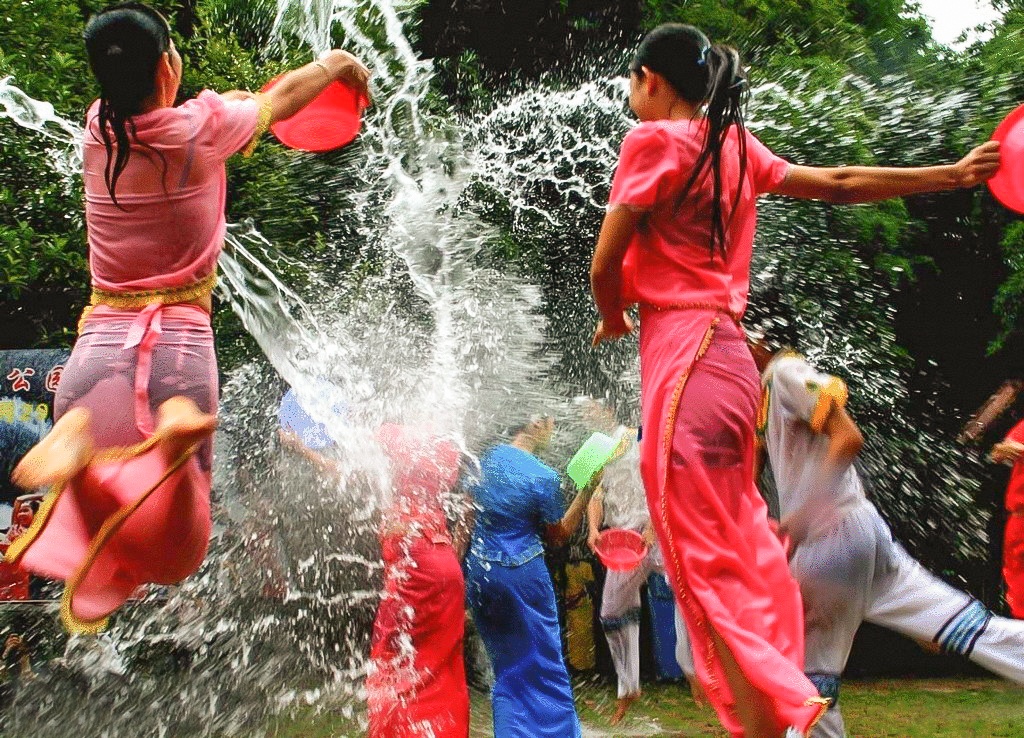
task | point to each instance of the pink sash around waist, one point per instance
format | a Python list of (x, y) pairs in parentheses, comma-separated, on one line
[(144, 334)]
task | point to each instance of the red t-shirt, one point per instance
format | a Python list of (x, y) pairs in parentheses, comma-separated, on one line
[(669, 261)]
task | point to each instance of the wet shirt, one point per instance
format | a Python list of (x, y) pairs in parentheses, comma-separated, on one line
[(669, 262), (424, 468), (622, 488), (173, 191), (797, 402), (517, 497)]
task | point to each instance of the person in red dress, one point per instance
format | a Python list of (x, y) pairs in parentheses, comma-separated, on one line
[(417, 684)]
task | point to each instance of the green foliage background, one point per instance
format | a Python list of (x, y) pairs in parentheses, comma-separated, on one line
[(483, 47), (955, 260), (950, 267)]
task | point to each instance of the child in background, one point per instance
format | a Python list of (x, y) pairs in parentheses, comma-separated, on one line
[(520, 508), (620, 503)]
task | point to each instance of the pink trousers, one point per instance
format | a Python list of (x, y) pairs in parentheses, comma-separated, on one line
[(729, 570), (132, 516)]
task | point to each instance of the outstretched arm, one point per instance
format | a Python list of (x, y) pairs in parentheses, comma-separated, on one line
[(867, 184), (299, 87), (994, 406), (295, 444)]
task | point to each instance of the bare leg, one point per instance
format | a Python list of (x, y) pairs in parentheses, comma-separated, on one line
[(751, 710), (622, 707), (180, 425), (60, 455)]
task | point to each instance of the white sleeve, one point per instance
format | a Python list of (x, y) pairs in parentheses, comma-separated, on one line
[(805, 392)]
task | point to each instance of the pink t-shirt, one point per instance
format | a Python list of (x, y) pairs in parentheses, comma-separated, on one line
[(669, 260), (171, 229)]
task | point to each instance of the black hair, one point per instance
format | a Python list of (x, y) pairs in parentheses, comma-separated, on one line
[(707, 74), (125, 42), (522, 426)]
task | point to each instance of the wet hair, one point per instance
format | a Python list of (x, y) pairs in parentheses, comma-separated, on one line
[(125, 42), (705, 74), (523, 426)]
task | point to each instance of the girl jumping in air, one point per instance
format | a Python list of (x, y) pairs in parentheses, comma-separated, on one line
[(128, 460)]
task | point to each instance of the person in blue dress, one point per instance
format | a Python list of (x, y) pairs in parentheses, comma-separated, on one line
[(508, 587)]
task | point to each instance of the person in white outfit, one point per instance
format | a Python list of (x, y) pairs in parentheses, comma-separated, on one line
[(620, 503), (843, 554)]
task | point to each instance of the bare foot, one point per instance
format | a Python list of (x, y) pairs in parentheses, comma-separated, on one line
[(60, 455), (181, 424), (622, 707)]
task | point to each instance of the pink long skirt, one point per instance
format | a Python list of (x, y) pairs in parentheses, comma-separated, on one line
[(132, 516), (701, 391)]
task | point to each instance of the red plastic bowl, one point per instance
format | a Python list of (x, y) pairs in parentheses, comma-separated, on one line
[(620, 549), (1008, 184), (331, 121)]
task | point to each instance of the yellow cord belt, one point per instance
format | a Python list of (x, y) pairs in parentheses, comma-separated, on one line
[(142, 298)]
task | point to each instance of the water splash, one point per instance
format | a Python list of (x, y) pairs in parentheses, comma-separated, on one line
[(41, 117), (266, 305), (441, 322), (543, 161)]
